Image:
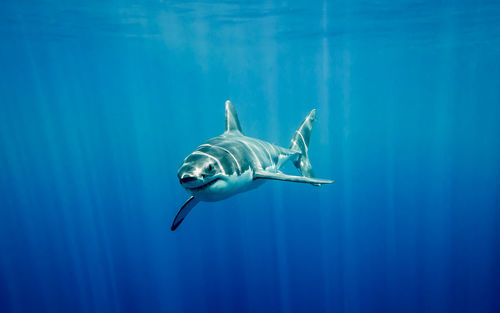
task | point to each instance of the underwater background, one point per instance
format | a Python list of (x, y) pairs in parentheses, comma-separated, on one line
[(101, 101)]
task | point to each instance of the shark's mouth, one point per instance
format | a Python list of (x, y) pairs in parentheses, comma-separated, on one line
[(202, 187)]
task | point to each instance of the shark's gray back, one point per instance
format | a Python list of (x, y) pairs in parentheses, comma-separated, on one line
[(237, 153)]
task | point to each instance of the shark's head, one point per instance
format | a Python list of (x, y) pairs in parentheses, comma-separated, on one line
[(201, 175)]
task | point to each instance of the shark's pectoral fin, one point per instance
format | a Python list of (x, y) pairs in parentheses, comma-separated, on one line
[(184, 211), (291, 178)]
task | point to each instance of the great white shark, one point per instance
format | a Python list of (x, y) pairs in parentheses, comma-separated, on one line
[(232, 163)]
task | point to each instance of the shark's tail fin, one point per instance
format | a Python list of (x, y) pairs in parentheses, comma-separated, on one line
[(300, 143)]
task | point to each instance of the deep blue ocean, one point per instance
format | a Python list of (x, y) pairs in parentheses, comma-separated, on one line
[(100, 101)]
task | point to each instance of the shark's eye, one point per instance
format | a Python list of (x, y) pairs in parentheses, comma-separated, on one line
[(210, 167)]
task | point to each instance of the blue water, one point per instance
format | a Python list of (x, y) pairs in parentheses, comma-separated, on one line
[(101, 101)]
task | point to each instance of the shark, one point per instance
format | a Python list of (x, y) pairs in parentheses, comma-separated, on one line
[(233, 163)]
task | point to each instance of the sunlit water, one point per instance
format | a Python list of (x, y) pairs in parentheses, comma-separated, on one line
[(100, 102)]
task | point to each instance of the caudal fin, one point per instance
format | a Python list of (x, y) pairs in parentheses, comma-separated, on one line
[(300, 143)]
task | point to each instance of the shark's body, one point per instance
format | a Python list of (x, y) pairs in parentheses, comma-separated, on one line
[(232, 163)]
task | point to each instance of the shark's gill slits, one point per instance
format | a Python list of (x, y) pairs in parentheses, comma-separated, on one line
[(264, 149), (251, 147)]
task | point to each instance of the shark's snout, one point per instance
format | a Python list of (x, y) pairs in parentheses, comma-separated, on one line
[(190, 180), (195, 182)]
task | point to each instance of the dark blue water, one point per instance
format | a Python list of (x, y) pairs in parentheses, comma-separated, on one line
[(100, 103)]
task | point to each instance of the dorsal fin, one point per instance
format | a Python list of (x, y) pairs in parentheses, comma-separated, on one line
[(232, 122)]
